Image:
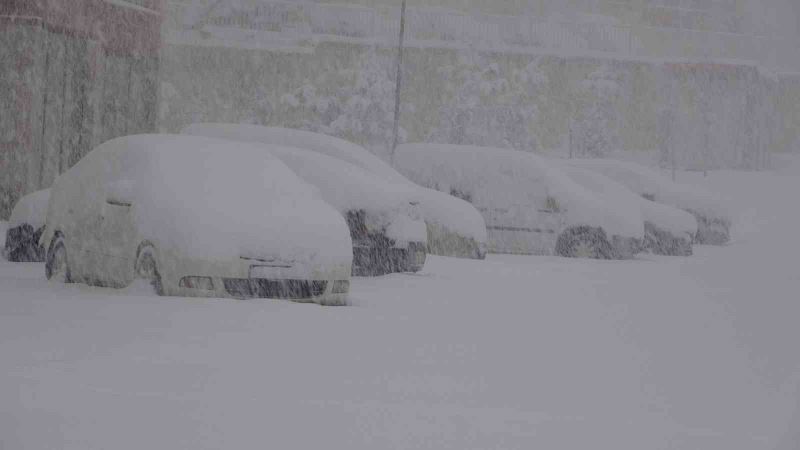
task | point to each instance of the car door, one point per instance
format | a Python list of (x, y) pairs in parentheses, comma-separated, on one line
[(83, 225), (116, 232)]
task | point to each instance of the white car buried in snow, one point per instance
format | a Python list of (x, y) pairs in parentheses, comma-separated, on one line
[(385, 225), (668, 231), (195, 217), (530, 206), (712, 212), (25, 227), (455, 228)]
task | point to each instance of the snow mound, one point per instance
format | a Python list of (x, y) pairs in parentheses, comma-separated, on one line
[(510, 180), (210, 199), (675, 221), (653, 185), (451, 213), (30, 209)]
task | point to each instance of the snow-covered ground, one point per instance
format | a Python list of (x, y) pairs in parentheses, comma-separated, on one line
[(512, 353)]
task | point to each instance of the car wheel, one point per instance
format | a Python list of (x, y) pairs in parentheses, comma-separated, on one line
[(147, 268), (584, 242), (57, 264)]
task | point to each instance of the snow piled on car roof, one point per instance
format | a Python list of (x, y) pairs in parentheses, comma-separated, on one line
[(501, 178), (30, 209), (648, 182), (222, 199), (316, 142), (449, 212), (668, 218)]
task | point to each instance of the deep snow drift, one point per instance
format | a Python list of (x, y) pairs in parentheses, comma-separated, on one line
[(512, 352)]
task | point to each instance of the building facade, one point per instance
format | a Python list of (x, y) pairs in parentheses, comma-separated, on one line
[(74, 74)]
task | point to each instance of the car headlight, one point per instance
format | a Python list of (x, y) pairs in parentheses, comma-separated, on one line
[(203, 283)]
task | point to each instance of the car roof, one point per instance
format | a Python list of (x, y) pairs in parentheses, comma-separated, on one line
[(308, 140)]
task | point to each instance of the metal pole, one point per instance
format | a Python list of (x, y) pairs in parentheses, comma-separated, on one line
[(569, 132), (43, 147), (399, 80)]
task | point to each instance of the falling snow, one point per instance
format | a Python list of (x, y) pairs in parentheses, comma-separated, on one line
[(544, 224)]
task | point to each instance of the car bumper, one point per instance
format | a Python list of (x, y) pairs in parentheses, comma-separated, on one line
[(376, 261), (248, 279), (444, 242), (661, 242), (712, 231), (626, 247)]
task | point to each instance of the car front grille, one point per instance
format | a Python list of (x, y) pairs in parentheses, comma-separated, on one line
[(281, 289)]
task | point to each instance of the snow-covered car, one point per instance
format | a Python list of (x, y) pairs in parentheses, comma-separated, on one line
[(455, 228), (667, 230), (385, 225), (25, 227), (195, 217), (712, 212), (530, 206)]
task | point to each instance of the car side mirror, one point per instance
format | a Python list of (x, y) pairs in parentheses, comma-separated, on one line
[(120, 193)]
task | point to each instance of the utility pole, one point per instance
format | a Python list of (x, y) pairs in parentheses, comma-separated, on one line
[(569, 132), (399, 80)]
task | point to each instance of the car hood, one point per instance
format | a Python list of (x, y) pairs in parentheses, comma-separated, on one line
[(676, 221)]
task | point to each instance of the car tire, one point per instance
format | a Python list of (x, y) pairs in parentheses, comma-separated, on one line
[(584, 242), (146, 268), (57, 263)]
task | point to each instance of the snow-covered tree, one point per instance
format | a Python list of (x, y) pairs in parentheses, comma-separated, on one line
[(366, 110), (360, 110), (484, 106), (313, 110), (594, 128)]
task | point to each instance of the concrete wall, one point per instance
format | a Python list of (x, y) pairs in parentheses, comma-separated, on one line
[(693, 115)]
